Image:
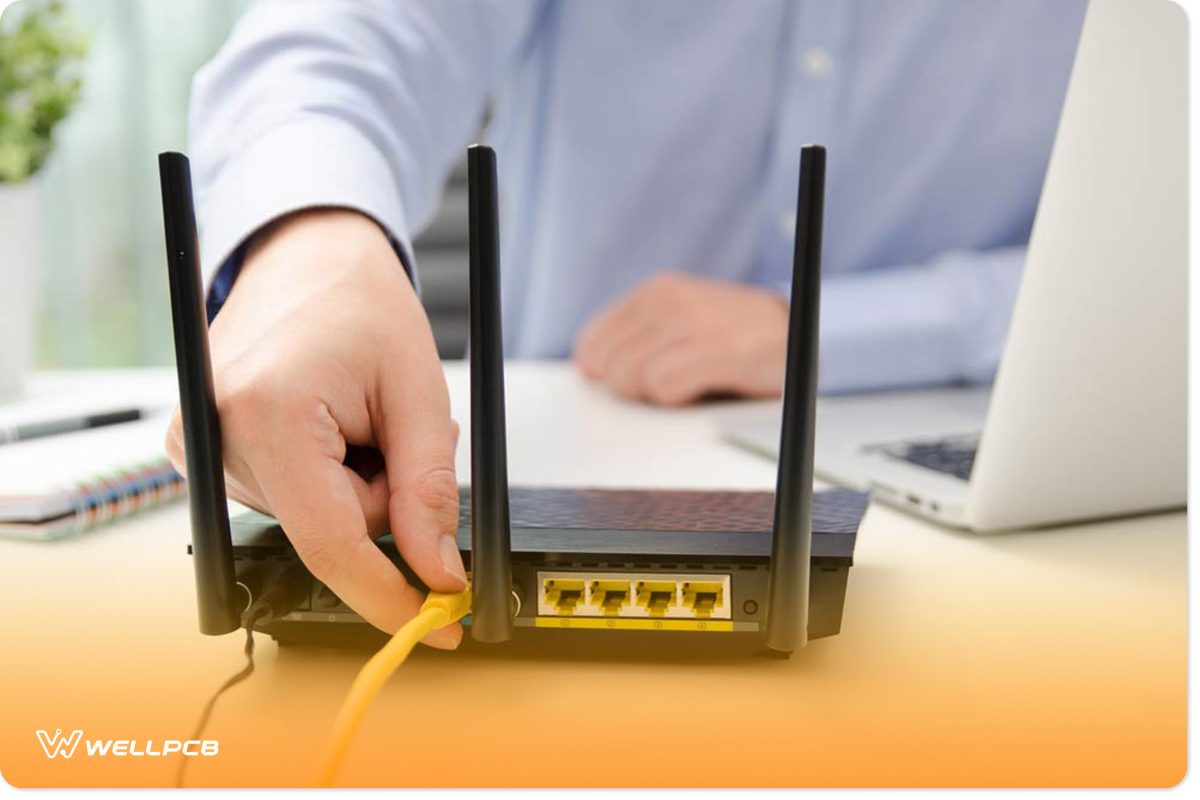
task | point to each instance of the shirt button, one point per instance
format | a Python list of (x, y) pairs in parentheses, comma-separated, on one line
[(787, 224), (817, 62)]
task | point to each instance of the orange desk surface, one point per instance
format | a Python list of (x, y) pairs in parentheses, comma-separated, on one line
[(1043, 658)]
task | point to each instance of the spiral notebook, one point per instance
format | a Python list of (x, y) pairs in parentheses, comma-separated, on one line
[(64, 485)]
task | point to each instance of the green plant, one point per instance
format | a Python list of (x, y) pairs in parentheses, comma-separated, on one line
[(40, 53)]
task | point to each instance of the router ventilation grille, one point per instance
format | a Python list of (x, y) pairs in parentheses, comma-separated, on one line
[(666, 510)]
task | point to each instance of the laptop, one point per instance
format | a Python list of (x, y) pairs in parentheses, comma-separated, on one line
[(1087, 417)]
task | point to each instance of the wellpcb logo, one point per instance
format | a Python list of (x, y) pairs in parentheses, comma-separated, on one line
[(57, 744)]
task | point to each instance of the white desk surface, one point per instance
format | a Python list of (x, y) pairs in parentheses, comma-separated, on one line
[(1054, 657)]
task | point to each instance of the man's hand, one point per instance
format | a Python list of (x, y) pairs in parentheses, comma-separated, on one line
[(334, 412), (676, 338)]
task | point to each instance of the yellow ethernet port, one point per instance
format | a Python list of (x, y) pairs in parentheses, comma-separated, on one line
[(564, 594), (613, 595), (657, 597), (610, 595), (703, 597)]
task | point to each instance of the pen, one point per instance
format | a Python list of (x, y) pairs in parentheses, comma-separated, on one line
[(10, 434)]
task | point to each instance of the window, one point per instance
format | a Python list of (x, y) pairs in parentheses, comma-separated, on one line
[(103, 281)]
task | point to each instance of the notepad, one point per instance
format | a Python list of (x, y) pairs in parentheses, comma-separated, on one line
[(63, 485)]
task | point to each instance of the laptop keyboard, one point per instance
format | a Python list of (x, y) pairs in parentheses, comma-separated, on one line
[(954, 456)]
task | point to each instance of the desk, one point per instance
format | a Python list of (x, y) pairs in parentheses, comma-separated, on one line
[(1054, 657)]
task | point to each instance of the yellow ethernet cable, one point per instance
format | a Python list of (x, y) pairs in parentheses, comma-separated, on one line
[(438, 611)]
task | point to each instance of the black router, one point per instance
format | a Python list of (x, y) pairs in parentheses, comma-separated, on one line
[(768, 570)]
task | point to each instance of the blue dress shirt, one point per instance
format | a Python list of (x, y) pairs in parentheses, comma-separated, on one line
[(639, 136)]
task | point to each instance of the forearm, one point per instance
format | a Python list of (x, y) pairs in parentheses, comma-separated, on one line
[(936, 323), (225, 274), (341, 103)]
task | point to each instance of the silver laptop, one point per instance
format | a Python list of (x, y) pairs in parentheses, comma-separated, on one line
[(1088, 414)]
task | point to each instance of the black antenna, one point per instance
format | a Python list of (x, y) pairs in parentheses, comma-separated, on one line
[(791, 541), (491, 548), (212, 546)]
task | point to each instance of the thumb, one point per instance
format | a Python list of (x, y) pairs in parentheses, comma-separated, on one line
[(312, 495), (417, 437)]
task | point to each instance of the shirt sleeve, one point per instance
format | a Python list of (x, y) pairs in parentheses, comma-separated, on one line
[(936, 323), (361, 104)]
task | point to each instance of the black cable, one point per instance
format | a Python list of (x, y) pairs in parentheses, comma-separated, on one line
[(282, 592), (252, 616)]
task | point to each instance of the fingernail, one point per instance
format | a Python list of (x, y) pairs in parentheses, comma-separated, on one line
[(445, 638), (451, 560)]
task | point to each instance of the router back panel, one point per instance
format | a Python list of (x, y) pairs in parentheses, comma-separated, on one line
[(545, 560), (579, 565)]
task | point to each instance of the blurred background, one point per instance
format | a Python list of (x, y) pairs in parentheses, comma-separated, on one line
[(102, 293)]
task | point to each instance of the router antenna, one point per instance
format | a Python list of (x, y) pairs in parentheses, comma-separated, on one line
[(491, 548), (212, 546), (791, 540)]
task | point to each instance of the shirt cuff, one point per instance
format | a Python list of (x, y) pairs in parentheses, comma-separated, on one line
[(311, 163), (886, 330)]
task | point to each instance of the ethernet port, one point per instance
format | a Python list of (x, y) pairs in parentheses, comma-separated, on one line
[(564, 594), (703, 597), (610, 595), (657, 597)]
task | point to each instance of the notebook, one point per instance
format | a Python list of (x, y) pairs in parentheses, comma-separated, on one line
[(63, 485)]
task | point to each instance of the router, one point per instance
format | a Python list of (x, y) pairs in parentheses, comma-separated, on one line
[(767, 570)]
